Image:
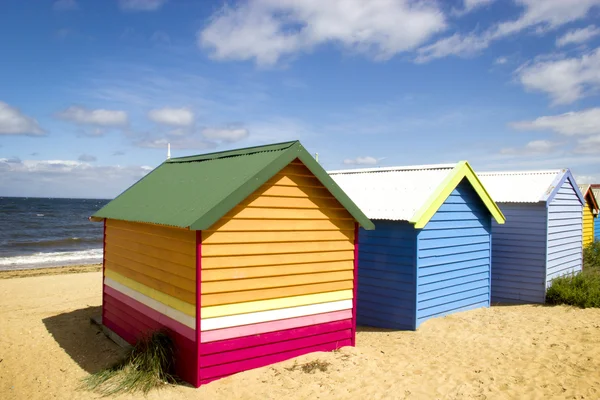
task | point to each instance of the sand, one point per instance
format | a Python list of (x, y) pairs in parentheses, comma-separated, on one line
[(507, 352)]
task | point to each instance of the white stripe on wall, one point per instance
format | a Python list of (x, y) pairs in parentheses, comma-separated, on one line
[(273, 315), (153, 304)]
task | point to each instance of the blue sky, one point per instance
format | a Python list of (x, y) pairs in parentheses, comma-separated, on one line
[(91, 91)]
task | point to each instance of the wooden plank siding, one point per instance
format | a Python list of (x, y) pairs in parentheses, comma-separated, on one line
[(386, 276), (277, 277), (158, 257), (315, 250), (519, 254), (588, 225), (565, 234), (453, 261), (150, 284)]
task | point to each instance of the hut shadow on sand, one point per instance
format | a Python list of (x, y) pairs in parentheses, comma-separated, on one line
[(82, 340)]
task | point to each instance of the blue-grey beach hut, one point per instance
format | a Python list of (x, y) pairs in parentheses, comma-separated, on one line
[(429, 254), (542, 238)]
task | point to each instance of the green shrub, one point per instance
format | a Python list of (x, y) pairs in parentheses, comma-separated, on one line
[(581, 290), (591, 256), (147, 366)]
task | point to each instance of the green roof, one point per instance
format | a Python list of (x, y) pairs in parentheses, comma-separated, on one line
[(195, 192)]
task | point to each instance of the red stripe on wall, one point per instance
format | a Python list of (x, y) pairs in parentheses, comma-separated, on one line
[(249, 353), (223, 346), (131, 325), (170, 323), (220, 371), (354, 285)]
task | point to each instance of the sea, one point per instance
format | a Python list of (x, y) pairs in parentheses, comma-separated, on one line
[(47, 232)]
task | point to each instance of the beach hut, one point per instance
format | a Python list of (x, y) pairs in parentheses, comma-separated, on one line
[(246, 257), (596, 191), (590, 212), (542, 237), (430, 253)]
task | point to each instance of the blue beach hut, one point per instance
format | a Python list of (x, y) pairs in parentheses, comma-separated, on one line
[(429, 254), (596, 191), (542, 238)]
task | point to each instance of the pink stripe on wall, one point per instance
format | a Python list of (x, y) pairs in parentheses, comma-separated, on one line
[(170, 323), (132, 324), (277, 342), (273, 326), (220, 371), (223, 346), (355, 285)]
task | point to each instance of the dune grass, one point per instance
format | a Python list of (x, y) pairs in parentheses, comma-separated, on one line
[(147, 366), (583, 289)]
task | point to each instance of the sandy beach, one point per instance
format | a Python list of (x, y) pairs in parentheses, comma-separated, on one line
[(47, 345)]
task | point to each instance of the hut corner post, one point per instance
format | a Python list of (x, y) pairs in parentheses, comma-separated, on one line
[(198, 302), (355, 285)]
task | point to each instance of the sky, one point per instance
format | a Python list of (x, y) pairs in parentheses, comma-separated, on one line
[(91, 91)]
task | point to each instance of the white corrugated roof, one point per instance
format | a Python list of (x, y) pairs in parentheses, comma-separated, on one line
[(520, 186), (392, 193)]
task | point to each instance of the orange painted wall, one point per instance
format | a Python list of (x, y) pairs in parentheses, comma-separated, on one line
[(291, 237), (161, 258)]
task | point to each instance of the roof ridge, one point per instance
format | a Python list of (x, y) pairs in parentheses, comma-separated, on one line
[(233, 152), (394, 168), (526, 172)]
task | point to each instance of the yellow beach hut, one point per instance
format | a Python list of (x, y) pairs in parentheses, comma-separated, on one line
[(246, 257), (590, 212)]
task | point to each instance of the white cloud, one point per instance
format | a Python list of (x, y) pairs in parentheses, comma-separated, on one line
[(589, 145), (172, 116), (100, 117), (177, 143), (586, 122), (66, 178), (501, 60), (578, 36), (228, 135), (544, 15), (87, 158), (563, 80), (267, 30), (533, 148), (367, 160), (65, 5), (471, 5), (582, 179), (141, 5), (14, 122), (453, 45)]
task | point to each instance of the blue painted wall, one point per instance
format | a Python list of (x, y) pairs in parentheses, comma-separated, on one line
[(565, 224), (519, 254), (537, 243), (453, 261), (406, 276), (386, 276), (596, 228)]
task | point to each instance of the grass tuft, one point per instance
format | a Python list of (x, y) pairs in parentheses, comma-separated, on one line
[(147, 366), (583, 289)]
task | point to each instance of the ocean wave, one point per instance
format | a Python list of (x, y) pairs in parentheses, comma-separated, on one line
[(58, 242), (51, 259)]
